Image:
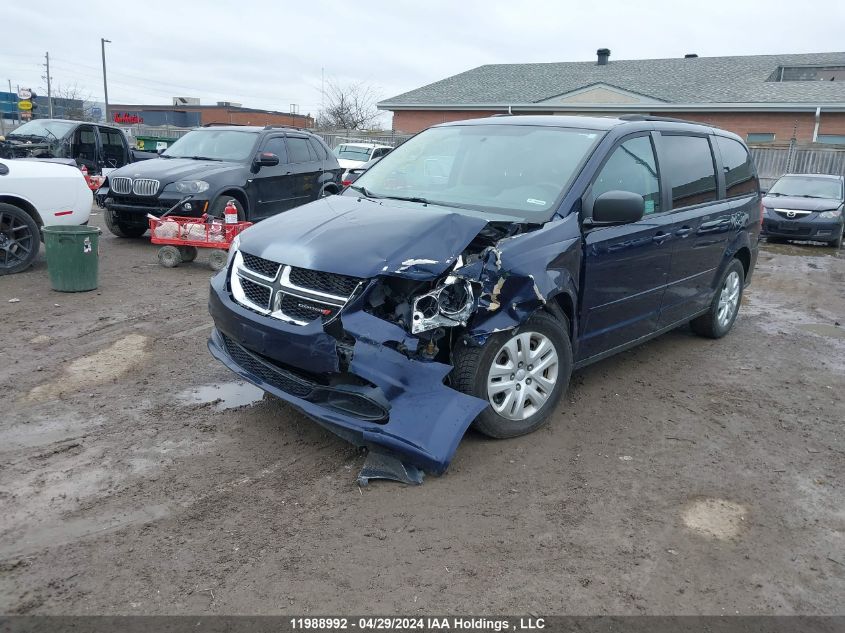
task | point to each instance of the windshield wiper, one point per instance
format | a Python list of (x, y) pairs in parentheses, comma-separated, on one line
[(807, 195), (201, 158), (365, 191), (408, 199)]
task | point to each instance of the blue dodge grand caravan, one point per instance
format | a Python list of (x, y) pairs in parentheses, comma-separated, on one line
[(462, 278)]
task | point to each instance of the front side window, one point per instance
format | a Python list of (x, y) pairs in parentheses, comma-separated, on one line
[(114, 153), (632, 168), (500, 169), (740, 175), (211, 144), (276, 145), (807, 187), (689, 170)]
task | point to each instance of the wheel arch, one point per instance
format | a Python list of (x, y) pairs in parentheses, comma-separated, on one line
[(743, 254), (25, 205)]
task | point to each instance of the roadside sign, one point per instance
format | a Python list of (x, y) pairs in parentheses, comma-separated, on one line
[(24, 93), (25, 105), (96, 113)]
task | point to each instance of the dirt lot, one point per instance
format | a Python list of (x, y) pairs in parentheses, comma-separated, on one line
[(686, 476)]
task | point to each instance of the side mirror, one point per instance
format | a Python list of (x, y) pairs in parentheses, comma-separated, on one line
[(266, 159), (617, 207)]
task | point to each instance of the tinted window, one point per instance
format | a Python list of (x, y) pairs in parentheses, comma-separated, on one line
[(298, 150), (276, 145), (113, 152), (689, 170), (740, 178), (318, 147), (632, 167)]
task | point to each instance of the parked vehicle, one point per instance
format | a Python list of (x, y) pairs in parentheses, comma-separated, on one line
[(34, 194), (465, 275), (805, 207), (352, 174), (264, 171), (351, 155), (95, 146)]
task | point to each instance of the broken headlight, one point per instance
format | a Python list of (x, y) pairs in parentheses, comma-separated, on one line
[(448, 305)]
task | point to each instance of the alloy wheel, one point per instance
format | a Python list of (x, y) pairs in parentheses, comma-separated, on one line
[(728, 300), (16, 241), (522, 376)]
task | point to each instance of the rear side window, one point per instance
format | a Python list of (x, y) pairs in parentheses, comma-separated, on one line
[(632, 167), (740, 178), (689, 170), (318, 147), (298, 150)]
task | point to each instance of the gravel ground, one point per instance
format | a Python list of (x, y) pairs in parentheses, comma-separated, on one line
[(686, 476)]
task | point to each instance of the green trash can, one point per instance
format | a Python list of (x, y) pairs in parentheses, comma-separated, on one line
[(72, 257)]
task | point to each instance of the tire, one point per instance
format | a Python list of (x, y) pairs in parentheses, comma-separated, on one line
[(837, 243), (169, 256), (473, 373), (217, 259), (19, 239), (122, 229), (220, 204), (715, 323), (188, 253)]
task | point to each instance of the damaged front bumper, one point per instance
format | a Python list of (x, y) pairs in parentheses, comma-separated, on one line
[(360, 387)]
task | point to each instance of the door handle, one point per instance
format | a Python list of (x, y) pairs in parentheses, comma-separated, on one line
[(661, 237), (683, 231)]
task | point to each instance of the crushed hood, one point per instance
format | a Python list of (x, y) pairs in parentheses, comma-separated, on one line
[(801, 204), (169, 170), (363, 237)]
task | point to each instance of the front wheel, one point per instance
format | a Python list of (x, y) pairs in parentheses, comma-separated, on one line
[(219, 207), (720, 318), (122, 229), (837, 243), (521, 373)]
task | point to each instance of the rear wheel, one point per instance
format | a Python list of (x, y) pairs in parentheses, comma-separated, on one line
[(19, 239), (720, 318), (521, 373), (188, 253), (122, 229)]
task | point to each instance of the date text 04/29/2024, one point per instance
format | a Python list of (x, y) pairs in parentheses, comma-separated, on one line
[(416, 623)]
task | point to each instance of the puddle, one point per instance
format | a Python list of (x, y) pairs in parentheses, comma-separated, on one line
[(95, 368), (823, 329), (715, 518), (227, 395)]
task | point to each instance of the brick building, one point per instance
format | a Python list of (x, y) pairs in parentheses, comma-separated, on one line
[(763, 98), (194, 115)]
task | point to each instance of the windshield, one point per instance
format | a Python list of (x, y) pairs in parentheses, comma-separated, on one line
[(44, 128), (213, 144), (510, 170), (353, 152), (807, 186)]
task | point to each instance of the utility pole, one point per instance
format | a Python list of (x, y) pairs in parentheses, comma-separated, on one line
[(49, 92), (103, 42)]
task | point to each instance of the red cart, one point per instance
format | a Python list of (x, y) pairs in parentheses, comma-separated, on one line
[(181, 238)]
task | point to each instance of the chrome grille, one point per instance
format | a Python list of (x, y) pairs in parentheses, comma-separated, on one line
[(145, 187), (256, 284), (121, 185)]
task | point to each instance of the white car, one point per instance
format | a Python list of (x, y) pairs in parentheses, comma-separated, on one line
[(34, 194), (350, 155)]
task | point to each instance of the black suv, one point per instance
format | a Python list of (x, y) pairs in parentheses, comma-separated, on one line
[(263, 170), (466, 275)]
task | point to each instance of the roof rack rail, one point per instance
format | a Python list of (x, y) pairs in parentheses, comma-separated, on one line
[(221, 124), (283, 127), (650, 117)]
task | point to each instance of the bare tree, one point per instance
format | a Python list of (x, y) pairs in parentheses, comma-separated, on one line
[(69, 102), (349, 106)]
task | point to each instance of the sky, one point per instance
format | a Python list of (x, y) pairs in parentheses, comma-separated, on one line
[(269, 55)]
